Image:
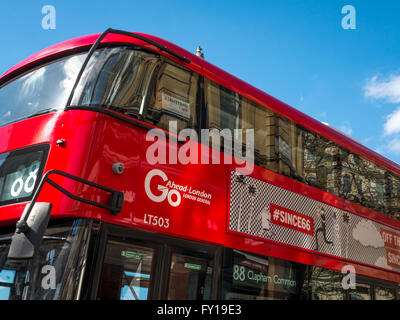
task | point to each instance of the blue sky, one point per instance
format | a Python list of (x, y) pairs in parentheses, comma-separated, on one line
[(296, 51)]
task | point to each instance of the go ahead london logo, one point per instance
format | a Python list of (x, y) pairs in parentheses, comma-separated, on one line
[(160, 188)]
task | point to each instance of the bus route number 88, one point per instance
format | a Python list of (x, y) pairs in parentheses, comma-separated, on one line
[(25, 183)]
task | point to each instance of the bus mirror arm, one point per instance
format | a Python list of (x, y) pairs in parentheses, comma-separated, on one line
[(116, 200), (33, 223)]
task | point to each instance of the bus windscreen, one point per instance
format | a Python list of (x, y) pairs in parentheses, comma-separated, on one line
[(44, 89)]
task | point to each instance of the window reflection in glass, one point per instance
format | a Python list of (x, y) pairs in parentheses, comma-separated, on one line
[(137, 83), (325, 284), (173, 97), (157, 90), (252, 277), (62, 251), (127, 272), (227, 110), (346, 184), (383, 293), (289, 149), (190, 276), (361, 292), (116, 78), (133, 286), (46, 88)]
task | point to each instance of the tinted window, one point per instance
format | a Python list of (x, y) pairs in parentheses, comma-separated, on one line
[(56, 270), (127, 271), (157, 90), (116, 78), (289, 149), (248, 276), (227, 110), (252, 277), (173, 97), (138, 83), (383, 293), (190, 275), (325, 284), (44, 89), (362, 291)]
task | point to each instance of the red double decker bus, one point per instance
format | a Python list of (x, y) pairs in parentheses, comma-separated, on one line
[(97, 203)]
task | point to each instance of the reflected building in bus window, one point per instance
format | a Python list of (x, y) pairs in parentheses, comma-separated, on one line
[(324, 284), (173, 97), (253, 277), (333, 169), (157, 90), (277, 141)]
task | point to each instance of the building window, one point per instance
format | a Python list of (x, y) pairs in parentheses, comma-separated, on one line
[(346, 184), (359, 186)]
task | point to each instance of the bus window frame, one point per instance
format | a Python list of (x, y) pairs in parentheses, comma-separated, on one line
[(202, 110), (163, 245), (373, 283), (146, 126)]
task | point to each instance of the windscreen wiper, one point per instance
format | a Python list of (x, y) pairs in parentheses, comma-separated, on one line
[(44, 111)]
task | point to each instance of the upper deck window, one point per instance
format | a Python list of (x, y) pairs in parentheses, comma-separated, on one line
[(140, 84), (157, 90), (173, 97), (44, 89), (116, 78), (285, 147)]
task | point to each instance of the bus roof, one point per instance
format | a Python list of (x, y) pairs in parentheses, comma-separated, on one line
[(214, 73)]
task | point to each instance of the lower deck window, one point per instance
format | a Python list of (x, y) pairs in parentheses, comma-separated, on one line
[(248, 276), (127, 271), (251, 277), (190, 275)]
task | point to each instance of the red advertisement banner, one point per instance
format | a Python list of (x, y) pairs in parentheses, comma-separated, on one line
[(291, 219), (391, 239), (393, 258)]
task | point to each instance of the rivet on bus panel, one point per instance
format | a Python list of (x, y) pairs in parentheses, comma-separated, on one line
[(61, 143), (118, 168)]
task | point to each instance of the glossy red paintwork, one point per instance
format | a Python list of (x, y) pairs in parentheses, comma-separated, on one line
[(216, 74), (95, 141)]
